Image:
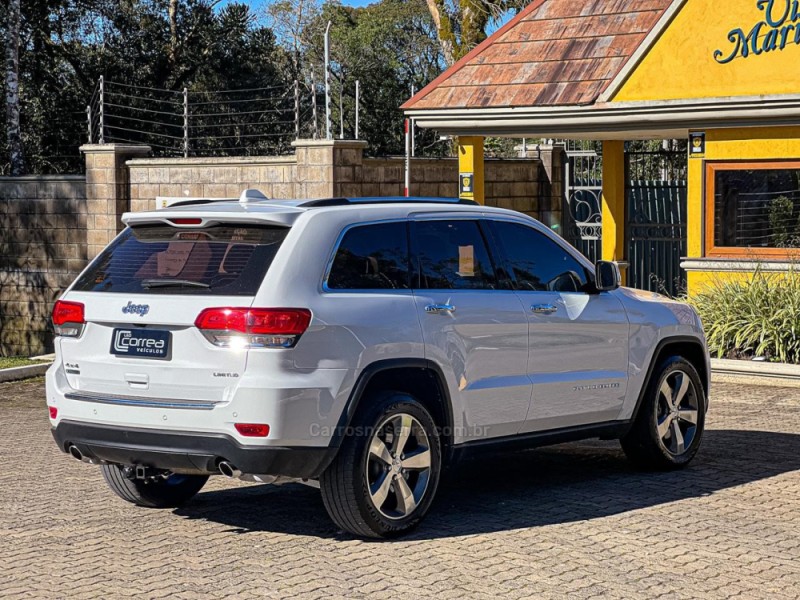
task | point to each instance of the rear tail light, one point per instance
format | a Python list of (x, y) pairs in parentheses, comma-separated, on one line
[(68, 318), (253, 327), (252, 429)]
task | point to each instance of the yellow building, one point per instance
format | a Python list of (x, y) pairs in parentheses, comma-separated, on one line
[(723, 75)]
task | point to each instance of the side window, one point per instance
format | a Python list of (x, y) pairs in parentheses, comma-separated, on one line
[(451, 255), (537, 262), (371, 257)]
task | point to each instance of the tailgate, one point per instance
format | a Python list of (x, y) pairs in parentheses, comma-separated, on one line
[(141, 297), (159, 354)]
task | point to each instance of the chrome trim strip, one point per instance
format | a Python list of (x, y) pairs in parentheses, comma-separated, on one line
[(143, 402)]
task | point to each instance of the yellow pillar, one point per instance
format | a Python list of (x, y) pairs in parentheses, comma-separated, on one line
[(613, 204), (471, 185), (695, 222)]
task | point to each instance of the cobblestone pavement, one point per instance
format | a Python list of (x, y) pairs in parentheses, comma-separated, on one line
[(572, 521)]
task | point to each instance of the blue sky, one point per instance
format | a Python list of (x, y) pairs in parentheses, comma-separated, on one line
[(256, 4)]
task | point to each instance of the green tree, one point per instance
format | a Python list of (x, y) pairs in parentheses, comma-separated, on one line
[(462, 24), (14, 137), (65, 45), (389, 47)]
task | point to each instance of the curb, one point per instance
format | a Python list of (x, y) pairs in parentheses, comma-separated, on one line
[(749, 368), (26, 372)]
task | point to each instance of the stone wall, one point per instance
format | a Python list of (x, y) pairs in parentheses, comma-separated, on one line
[(322, 169), (209, 177), (43, 246)]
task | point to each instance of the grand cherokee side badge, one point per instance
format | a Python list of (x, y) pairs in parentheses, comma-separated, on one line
[(595, 386), (136, 309)]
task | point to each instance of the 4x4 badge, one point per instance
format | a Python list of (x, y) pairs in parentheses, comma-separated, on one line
[(136, 309)]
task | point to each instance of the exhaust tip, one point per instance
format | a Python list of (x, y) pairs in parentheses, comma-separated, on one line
[(228, 470), (75, 453)]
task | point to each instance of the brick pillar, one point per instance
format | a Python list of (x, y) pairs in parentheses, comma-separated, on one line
[(329, 168), (107, 191), (552, 188)]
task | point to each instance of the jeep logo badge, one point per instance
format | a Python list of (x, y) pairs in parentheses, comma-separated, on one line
[(136, 309)]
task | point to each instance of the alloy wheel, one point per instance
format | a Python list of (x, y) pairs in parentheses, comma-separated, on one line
[(677, 413), (398, 465)]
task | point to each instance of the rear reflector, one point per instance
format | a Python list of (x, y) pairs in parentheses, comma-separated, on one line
[(53, 412), (253, 327), (68, 318), (252, 429)]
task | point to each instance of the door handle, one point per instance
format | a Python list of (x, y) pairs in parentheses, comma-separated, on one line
[(544, 309), (439, 309)]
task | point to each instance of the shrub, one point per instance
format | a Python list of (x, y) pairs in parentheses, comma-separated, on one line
[(784, 223), (753, 318)]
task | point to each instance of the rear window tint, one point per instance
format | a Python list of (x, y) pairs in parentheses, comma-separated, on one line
[(224, 260), (371, 257)]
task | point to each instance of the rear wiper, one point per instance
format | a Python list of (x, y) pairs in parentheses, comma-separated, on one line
[(167, 283)]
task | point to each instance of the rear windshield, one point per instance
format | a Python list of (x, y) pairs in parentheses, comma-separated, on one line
[(224, 260)]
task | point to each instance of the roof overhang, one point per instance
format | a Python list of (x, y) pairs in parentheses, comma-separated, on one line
[(618, 120)]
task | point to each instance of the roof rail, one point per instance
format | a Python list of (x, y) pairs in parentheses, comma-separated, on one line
[(387, 200)]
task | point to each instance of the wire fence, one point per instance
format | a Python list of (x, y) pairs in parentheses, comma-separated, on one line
[(50, 145), (242, 122)]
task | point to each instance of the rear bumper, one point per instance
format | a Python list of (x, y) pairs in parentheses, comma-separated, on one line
[(188, 452)]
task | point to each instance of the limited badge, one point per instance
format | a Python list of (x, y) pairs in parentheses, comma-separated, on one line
[(697, 144)]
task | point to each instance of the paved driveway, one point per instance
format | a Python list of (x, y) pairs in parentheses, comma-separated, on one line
[(573, 521)]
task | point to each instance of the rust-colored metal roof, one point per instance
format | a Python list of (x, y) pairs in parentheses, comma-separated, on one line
[(554, 53)]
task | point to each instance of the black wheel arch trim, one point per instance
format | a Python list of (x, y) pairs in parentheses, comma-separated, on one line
[(373, 369), (657, 353)]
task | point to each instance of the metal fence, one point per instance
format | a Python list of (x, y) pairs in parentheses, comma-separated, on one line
[(655, 226), (656, 220), (253, 121)]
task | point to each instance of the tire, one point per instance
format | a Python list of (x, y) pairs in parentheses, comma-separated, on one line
[(153, 493), (666, 435), (373, 489)]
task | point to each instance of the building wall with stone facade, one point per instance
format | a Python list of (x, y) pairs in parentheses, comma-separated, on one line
[(43, 247)]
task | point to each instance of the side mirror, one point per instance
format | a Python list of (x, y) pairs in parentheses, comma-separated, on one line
[(606, 276)]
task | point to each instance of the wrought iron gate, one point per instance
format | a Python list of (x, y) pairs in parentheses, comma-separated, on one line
[(582, 225), (656, 211), (656, 220)]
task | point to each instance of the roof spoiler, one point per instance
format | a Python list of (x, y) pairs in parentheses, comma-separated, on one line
[(247, 196)]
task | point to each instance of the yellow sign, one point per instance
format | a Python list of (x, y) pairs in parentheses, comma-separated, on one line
[(697, 144), (777, 28), (466, 186), (738, 51)]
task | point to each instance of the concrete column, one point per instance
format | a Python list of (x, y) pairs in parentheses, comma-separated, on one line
[(107, 191), (329, 168), (470, 165), (613, 203), (552, 189)]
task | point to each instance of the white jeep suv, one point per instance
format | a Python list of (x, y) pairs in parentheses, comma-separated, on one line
[(363, 344)]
